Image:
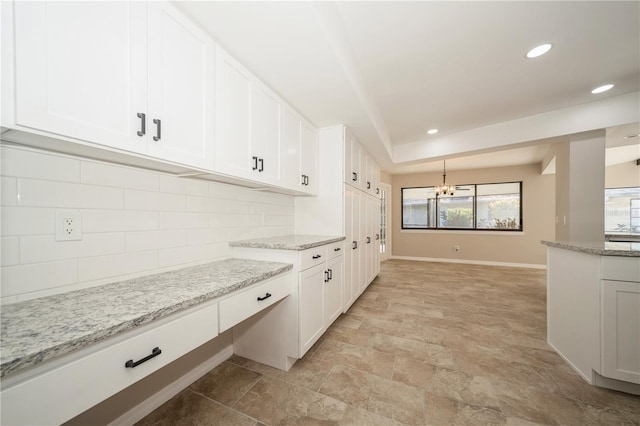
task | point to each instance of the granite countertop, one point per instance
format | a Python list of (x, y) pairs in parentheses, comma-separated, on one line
[(40, 329), (599, 248), (288, 242)]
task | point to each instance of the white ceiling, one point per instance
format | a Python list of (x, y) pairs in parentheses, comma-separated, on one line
[(390, 70)]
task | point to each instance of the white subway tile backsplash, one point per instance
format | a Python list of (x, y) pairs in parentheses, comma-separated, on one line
[(95, 268), (134, 222), (10, 247), (184, 220), (119, 220), (9, 191), (208, 205), (25, 163), (38, 276), (185, 186), (149, 240), (68, 195), (157, 201), (45, 248), (96, 173), (181, 255), (27, 221)]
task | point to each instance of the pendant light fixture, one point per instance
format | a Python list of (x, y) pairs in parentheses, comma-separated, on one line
[(445, 189)]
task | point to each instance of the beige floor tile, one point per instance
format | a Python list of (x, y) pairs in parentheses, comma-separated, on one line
[(358, 357), (440, 410), (413, 372), (354, 416), (274, 402), (381, 396), (433, 354), (188, 408), (226, 383)]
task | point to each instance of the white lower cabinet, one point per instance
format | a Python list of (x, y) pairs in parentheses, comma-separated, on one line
[(621, 330), (69, 387), (319, 290), (311, 306)]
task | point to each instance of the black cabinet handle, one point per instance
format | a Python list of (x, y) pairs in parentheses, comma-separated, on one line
[(377, 237), (368, 185), (330, 274), (368, 240), (158, 124), (255, 163), (306, 180), (337, 249), (143, 124), (377, 190), (355, 176), (355, 245), (303, 180), (261, 168), (326, 276), (266, 296), (154, 353), (317, 256)]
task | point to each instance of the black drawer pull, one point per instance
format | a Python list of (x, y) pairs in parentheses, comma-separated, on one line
[(261, 168), (330, 274), (266, 296), (355, 177), (317, 256), (255, 163), (368, 240), (337, 249), (154, 353), (368, 185), (326, 276), (355, 245)]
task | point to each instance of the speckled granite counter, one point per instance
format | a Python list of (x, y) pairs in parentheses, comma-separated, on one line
[(40, 329), (601, 249), (288, 242)]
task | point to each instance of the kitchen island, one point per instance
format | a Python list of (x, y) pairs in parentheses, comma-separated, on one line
[(593, 310)]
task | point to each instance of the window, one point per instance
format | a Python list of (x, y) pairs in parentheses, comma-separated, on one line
[(490, 206), (622, 210)]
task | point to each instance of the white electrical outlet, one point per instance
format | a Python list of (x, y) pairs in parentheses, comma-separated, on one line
[(68, 225)]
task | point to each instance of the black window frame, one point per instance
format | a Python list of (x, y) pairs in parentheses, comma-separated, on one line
[(475, 217)]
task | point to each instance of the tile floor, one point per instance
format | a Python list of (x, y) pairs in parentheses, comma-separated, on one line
[(425, 344)]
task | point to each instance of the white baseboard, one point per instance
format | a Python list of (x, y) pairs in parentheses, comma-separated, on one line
[(147, 406), (471, 262)]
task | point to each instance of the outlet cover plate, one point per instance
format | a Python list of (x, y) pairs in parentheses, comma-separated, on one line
[(68, 225)]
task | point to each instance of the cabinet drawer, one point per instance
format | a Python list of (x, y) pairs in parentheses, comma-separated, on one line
[(335, 249), (620, 268), (241, 306), (312, 257), (71, 388)]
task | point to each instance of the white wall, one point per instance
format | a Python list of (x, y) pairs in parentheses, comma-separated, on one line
[(134, 221)]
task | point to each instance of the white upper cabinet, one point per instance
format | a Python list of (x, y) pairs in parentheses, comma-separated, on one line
[(233, 117), (248, 124), (81, 70), (299, 153), (181, 88), (102, 72), (265, 134), (291, 150)]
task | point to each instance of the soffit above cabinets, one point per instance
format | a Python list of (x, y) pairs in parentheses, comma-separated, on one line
[(391, 70)]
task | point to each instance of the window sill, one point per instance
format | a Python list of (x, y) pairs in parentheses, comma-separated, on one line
[(460, 232)]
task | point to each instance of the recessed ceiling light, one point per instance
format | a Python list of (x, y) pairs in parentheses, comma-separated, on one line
[(539, 50), (432, 131), (601, 89)]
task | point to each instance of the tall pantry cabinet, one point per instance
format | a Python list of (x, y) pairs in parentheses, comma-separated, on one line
[(348, 203)]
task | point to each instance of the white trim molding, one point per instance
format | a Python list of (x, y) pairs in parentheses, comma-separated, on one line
[(470, 262)]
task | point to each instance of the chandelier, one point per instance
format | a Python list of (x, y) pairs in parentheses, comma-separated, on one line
[(445, 189)]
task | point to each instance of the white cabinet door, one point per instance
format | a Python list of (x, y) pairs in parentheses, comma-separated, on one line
[(333, 290), (265, 134), (291, 150), (181, 92), (309, 157), (352, 163), (349, 251), (621, 330), (233, 117), (81, 70), (310, 306)]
